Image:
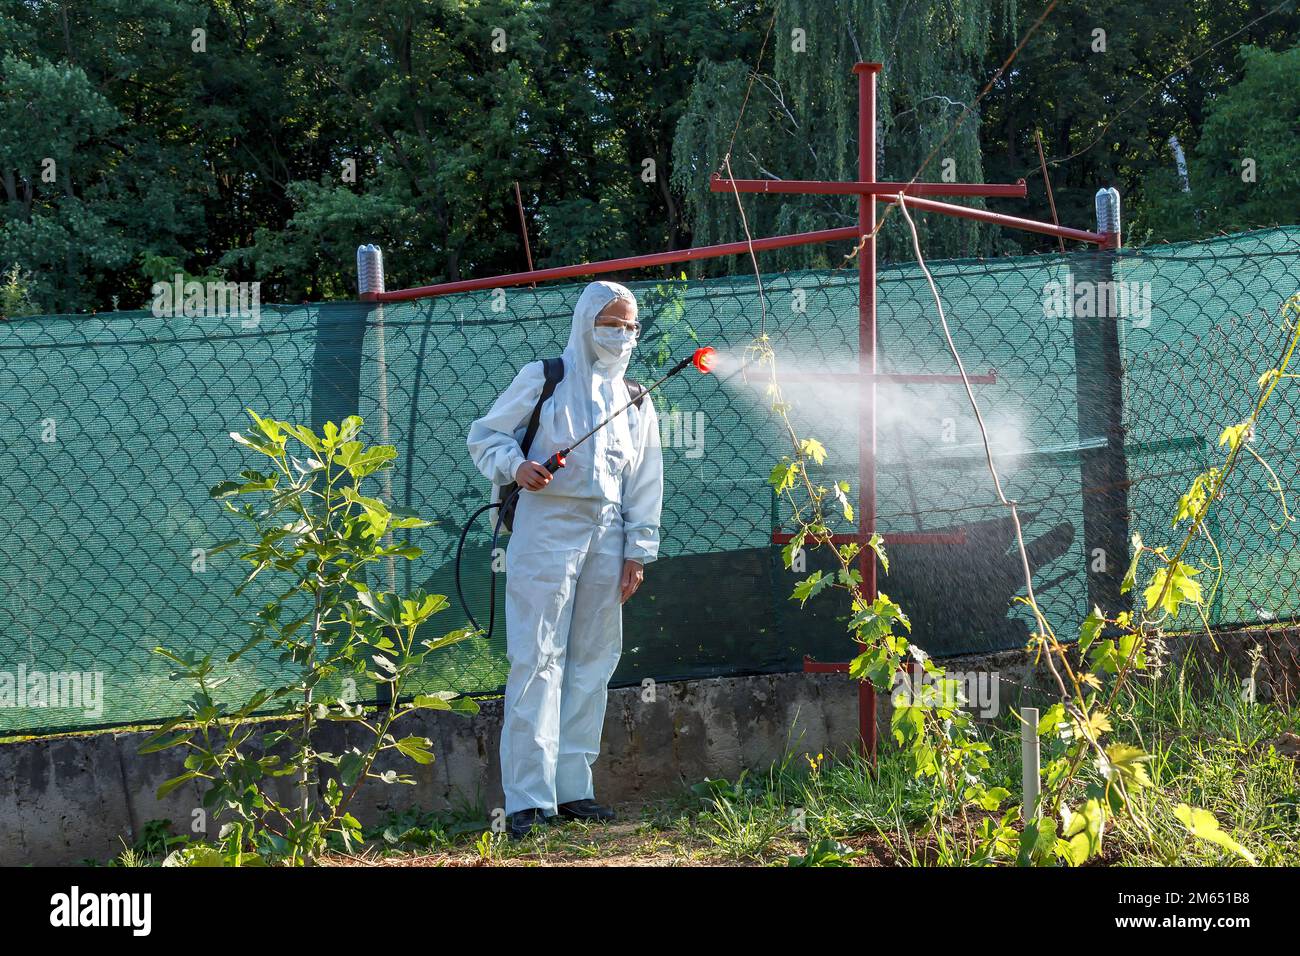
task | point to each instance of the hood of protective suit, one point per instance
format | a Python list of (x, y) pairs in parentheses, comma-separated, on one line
[(592, 390), (601, 469), (581, 356)]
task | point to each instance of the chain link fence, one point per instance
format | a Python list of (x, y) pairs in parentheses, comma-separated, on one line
[(115, 426)]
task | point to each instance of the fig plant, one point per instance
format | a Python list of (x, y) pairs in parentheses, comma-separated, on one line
[(310, 523)]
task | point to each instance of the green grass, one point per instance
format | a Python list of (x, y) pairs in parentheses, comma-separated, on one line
[(1211, 749), (1214, 750)]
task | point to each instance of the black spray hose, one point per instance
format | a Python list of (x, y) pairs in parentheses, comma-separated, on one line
[(460, 593), (553, 464)]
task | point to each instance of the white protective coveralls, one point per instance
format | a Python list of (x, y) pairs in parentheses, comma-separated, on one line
[(564, 560)]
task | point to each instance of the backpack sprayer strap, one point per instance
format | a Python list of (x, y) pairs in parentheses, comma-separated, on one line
[(553, 369)]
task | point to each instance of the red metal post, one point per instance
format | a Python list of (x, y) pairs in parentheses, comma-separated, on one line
[(1105, 240), (867, 73)]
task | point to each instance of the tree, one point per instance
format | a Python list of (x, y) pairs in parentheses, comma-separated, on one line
[(801, 120), (49, 155), (263, 140), (1245, 169), (1107, 83)]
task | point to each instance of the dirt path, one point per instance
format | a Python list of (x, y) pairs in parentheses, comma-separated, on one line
[(629, 843), (642, 837)]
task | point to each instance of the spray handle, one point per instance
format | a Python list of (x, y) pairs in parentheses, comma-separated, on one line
[(556, 461)]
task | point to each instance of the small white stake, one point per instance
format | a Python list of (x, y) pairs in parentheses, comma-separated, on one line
[(1029, 763)]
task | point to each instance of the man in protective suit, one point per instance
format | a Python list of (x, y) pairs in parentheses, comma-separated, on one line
[(580, 542)]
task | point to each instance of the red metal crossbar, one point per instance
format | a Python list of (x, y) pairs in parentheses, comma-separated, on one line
[(720, 185), (615, 265), (889, 537), (1104, 240)]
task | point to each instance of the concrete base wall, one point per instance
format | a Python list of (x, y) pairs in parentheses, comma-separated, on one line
[(65, 799)]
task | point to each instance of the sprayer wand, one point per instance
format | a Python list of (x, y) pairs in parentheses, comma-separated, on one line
[(703, 359)]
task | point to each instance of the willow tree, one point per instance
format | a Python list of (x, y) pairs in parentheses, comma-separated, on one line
[(801, 119)]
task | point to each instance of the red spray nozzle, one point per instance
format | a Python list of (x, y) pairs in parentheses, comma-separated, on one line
[(704, 359)]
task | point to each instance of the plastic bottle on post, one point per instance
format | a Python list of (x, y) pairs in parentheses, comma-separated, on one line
[(1108, 212), (370, 269)]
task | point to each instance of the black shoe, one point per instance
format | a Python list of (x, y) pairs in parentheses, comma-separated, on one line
[(588, 810), (524, 822)]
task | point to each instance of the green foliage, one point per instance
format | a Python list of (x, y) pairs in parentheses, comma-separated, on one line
[(826, 852), (155, 843), (1203, 825), (801, 119), (231, 158), (424, 830), (883, 650), (164, 269), (15, 297), (1204, 487), (1243, 170), (54, 120), (710, 790), (228, 851), (1172, 585), (312, 525)]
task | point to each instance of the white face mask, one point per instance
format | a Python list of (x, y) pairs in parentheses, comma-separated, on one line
[(612, 345)]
